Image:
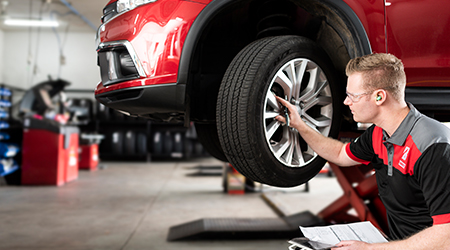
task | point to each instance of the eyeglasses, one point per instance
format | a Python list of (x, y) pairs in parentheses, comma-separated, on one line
[(356, 96)]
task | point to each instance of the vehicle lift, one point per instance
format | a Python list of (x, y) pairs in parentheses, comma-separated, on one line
[(360, 195)]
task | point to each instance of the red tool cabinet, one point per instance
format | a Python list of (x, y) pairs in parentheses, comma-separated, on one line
[(89, 157), (49, 153)]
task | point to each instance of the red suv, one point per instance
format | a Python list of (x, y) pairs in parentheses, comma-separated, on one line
[(220, 64)]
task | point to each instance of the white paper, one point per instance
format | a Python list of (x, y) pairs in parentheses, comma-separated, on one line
[(342, 232), (321, 234), (361, 231), (307, 244), (367, 232)]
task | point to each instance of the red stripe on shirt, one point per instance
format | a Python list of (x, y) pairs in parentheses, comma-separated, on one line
[(406, 156), (441, 219), (353, 157)]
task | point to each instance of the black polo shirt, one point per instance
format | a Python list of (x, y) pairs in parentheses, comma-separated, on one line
[(412, 168)]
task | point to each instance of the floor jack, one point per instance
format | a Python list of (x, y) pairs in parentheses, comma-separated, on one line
[(360, 202)]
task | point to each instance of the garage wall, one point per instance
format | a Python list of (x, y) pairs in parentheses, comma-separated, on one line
[(26, 63)]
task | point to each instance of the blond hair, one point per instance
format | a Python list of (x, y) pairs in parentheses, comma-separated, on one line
[(380, 71)]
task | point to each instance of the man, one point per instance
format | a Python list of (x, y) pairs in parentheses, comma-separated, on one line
[(409, 151)]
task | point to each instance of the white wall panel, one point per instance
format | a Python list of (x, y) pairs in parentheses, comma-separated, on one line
[(30, 57)]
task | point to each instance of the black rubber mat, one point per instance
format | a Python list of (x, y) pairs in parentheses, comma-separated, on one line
[(242, 228)]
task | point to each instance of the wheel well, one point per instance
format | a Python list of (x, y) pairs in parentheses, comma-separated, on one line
[(242, 22)]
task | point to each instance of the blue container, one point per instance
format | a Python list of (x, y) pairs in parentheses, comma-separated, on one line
[(5, 92), (8, 166), (5, 103), (4, 124), (4, 136), (8, 149)]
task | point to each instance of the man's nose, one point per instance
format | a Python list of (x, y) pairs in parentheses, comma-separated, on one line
[(347, 100)]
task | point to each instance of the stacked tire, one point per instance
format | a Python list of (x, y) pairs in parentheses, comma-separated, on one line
[(125, 138), (176, 144)]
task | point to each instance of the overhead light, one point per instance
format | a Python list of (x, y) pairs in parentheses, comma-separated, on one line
[(32, 23)]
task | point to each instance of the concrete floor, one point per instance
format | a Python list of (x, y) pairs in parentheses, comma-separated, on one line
[(131, 206)]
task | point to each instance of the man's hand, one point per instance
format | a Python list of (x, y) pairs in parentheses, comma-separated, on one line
[(294, 117), (351, 244), (434, 237)]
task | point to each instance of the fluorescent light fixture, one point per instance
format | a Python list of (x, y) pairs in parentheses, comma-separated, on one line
[(32, 23)]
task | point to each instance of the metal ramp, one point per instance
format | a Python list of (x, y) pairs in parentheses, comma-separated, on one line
[(244, 228)]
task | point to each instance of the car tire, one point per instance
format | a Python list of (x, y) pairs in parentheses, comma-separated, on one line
[(117, 143), (167, 143), (254, 142), (188, 148), (141, 143), (102, 112), (129, 143), (208, 137), (178, 143), (157, 144)]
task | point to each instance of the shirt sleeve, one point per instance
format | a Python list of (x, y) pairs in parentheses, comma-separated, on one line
[(361, 149), (433, 174)]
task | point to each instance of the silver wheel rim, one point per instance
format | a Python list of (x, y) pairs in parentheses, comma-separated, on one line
[(307, 87)]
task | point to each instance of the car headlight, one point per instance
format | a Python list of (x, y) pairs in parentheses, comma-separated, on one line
[(126, 5)]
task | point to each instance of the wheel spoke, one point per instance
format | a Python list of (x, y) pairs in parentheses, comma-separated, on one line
[(290, 153), (322, 86), (295, 72), (298, 151), (270, 114), (284, 144), (309, 105), (272, 128), (319, 122), (290, 70), (308, 92), (324, 100), (315, 85), (321, 101), (317, 92), (272, 101), (284, 82), (299, 79)]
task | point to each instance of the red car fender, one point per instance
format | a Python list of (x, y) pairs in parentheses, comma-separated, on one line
[(157, 32)]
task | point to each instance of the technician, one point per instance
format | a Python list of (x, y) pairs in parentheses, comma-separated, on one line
[(409, 151)]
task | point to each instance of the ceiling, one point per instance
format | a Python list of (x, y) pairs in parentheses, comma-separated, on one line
[(59, 9)]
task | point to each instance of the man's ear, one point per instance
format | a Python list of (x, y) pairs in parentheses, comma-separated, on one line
[(380, 96)]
